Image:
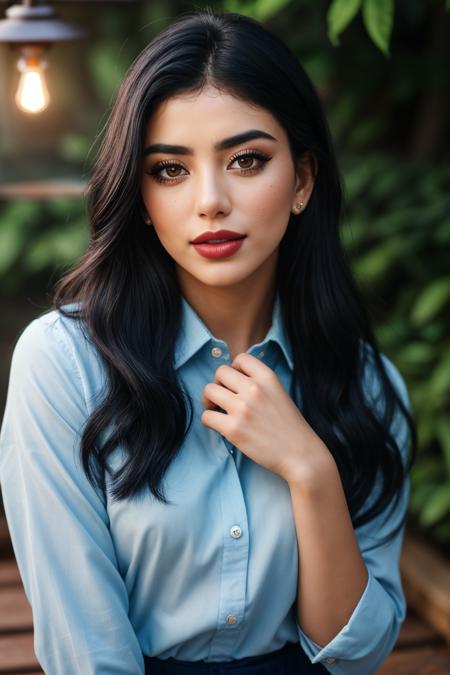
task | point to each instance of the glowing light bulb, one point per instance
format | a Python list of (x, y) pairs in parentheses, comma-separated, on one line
[(32, 94)]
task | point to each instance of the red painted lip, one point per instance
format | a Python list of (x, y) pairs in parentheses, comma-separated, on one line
[(216, 251), (220, 234)]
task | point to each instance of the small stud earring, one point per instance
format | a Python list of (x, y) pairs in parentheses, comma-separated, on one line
[(298, 207), (147, 220)]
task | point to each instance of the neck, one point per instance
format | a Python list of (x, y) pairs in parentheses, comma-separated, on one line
[(240, 316)]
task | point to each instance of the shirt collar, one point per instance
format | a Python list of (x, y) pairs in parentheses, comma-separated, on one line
[(194, 334)]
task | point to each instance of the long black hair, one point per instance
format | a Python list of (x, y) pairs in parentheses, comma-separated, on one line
[(129, 300)]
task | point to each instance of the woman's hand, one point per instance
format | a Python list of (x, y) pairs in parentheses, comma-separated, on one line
[(262, 420)]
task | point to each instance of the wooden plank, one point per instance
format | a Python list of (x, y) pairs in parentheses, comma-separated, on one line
[(6, 549), (43, 189), (426, 583), (17, 654), (421, 661), (415, 632), (9, 573), (15, 610)]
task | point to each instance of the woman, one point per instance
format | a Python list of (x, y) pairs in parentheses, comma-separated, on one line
[(243, 375)]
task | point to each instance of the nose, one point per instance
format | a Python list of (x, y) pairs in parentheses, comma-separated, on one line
[(212, 194)]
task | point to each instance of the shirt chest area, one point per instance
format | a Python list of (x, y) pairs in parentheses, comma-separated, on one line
[(219, 499)]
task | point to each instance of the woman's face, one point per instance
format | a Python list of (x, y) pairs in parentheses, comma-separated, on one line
[(247, 186)]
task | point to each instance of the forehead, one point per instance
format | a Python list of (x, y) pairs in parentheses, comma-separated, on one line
[(210, 113)]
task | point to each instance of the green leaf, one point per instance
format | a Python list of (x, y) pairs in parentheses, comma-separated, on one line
[(376, 263), (431, 301), (428, 471), (439, 382), (262, 10), (443, 434), (420, 496), (265, 9), (339, 15), (437, 506), (378, 17), (16, 223), (417, 353)]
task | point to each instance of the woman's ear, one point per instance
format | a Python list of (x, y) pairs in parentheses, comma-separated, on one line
[(306, 171)]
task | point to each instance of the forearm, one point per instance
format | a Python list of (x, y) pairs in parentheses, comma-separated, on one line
[(332, 574)]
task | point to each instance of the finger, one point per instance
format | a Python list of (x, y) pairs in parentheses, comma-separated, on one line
[(230, 377), (217, 421), (251, 366), (216, 395)]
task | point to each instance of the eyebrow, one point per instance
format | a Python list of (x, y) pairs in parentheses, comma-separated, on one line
[(220, 145)]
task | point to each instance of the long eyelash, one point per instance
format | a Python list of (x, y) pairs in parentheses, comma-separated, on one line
[(155, 171), (250, 153)]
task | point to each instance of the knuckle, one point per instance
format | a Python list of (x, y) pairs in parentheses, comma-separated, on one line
[(254, 390), (235, 428), (245, 411)]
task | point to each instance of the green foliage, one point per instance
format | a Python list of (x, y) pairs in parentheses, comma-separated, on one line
[(377, 15), (397, 218), (378, 18), (340, 13), (435, 296), (39, 237), (258, 9), (107, 68)]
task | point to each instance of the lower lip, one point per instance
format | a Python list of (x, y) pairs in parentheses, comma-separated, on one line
[(216, 251)]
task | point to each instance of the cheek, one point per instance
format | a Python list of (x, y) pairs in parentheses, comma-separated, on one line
[(273, 193), (164, 208), (271, 204)]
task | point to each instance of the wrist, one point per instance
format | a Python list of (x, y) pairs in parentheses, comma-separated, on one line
[(311, 475)]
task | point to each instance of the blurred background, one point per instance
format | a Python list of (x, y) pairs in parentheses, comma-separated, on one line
[(382, 71)]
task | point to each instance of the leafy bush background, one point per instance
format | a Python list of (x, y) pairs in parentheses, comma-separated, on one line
[(381, 69)]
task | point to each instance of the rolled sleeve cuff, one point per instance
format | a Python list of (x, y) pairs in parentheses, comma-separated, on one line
[(365, 641)]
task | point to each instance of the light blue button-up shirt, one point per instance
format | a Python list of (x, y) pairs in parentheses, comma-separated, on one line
[(211, 576)]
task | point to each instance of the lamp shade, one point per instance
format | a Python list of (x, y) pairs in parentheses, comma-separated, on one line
[(36, 24)]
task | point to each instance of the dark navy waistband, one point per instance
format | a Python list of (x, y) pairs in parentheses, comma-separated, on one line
[(289, 659)]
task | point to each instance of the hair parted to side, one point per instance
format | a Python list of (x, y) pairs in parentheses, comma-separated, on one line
[(126, 269)]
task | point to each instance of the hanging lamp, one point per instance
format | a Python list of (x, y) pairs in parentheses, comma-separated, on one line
[(32, 27)]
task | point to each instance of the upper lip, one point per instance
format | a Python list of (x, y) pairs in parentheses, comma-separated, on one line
[(219, 234)]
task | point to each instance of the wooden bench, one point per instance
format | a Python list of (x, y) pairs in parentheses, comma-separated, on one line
[(420, 650)]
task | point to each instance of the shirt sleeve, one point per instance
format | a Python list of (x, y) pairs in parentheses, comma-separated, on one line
[(372, 630), (57, 520)]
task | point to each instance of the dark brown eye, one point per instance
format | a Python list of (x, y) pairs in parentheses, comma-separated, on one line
[(250, 161), (172, 170), (242, 161)]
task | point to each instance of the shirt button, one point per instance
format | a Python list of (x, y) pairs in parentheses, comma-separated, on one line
[(261, 353), (231, 618), (236, 531), (216, 352), (330, 659)]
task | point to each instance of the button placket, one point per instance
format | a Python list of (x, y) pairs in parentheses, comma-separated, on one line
[(234, 570)]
